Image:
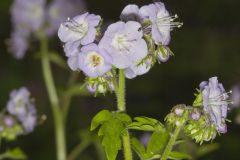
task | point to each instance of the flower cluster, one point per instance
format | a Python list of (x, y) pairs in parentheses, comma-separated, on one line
[(207, 116), (133, 44), (20, 116), (31, 16), (210, 110)]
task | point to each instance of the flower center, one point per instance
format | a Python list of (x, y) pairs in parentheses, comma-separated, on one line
[(121, 43), (167, 22), (94, 59), (36, 11)]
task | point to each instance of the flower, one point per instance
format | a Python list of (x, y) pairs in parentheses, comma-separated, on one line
[(162, 22), (81, 28), (236, 95), (22, 107), (124, 43), (131, 13), (9, 121), (215, 102), (28, 14), (163, 55), (72, 50), (138, 69), (145, 138), (18, 44), (59, 10), (94, 61)]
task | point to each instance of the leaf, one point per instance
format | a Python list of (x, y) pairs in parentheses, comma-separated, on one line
[(57, 59), (157, 142), (179, 141), (123, 117), (15, 153), (138, 147), (146, 124), (179, 155), (101, 117), (111, 141)]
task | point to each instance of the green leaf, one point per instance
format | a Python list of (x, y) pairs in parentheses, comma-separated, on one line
[(57, 59), (157, 142), (146, 124), (111, 131), (15, 153), (178, 155), (138, 147), (100, 118), (123, 117)]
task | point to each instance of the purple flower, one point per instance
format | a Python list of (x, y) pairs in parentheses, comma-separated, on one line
[(145, 138), (195, 115), (21, 105), (18, 44), (9, 121), (215, 102), (94, 61), (81, 28), (72, 50), (59, 10), (124, 43), (138, 69), (162, 22), (28, 13), (131, 13), (236, 95), (163, 56)]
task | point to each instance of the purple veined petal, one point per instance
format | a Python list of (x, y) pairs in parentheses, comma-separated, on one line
[(129, 73), (203, 84), (72, 48), (73, 62), (130, 13), (67, 35), (132, 26), (93, 20), (136, 70), (124, 44), (90, 37), (80, 28)]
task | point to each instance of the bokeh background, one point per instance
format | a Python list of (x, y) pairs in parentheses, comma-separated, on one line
[(207, 45)]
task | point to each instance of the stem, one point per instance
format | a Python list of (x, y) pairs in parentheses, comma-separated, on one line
[(77, 150), (53, 97), (68, 98), (171, 142), (122, 108)]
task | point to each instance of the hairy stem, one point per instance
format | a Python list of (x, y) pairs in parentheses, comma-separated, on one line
[(122, 108), (53, 97), (171, 142)]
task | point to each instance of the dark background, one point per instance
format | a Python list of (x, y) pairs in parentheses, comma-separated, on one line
[(207, 45)]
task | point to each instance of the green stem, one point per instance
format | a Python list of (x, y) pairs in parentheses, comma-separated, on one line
[(53, 97), (68, 98), (77, 150), (171, 142), (122, 108)]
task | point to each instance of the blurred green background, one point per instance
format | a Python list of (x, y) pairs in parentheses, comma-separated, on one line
[(207, 45)]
